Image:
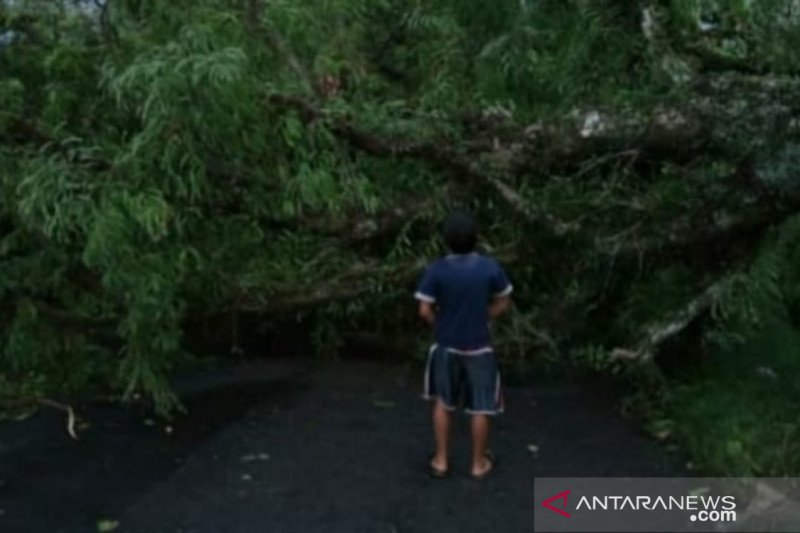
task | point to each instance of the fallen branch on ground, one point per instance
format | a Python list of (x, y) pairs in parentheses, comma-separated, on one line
[(71, 419)]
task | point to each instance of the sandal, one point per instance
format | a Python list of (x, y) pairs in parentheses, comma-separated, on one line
[(436, 473), (492, 464)]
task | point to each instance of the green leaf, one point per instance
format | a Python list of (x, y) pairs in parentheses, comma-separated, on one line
[(104, 526)]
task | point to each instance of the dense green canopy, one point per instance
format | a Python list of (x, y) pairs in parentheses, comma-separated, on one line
[(634, 163)]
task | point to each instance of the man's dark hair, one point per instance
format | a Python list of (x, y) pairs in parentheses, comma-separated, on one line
[(460, 232)]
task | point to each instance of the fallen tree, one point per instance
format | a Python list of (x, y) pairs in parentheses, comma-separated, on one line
[(241, 159)]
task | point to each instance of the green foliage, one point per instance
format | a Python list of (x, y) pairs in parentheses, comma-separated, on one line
[(556, 56), (779, 170), (736, 417), (597, 359), (764, 294), (655, 297), (149, 176), (751, 35)]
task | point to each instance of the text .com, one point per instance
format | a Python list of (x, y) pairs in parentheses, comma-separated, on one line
[(714, 516)]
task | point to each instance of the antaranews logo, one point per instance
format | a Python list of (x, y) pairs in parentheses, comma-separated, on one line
[(703, 508), (548, 503), (707, 507), (641, 505)]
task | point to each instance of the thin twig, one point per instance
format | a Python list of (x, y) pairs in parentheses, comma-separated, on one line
[(71, 418), (632, 153)]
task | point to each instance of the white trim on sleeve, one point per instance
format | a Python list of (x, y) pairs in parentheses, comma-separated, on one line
[(479, 351), (505, 292), (424, 297)]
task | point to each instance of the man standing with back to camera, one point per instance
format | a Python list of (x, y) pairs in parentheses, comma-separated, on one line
[(459, 295)]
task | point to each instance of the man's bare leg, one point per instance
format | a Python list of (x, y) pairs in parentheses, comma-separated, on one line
[(441, 433), (480, 440)]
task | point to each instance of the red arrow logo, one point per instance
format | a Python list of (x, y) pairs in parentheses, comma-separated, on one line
[(559, 496)]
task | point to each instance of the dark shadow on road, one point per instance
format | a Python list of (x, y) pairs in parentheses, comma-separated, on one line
[(49, 482)]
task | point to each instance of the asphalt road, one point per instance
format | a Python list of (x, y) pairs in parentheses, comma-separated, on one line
[(290, 446)]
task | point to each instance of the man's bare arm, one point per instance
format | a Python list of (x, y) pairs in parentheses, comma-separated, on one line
[(427, 312), (499, 306)]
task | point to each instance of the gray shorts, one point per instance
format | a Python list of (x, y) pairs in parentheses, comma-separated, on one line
[(453, 377)]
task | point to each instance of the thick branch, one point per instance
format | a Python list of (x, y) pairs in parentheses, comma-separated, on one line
[(22, 132), (352, 284), (655, 334), (74, 320), (724, 112), (437, 154)]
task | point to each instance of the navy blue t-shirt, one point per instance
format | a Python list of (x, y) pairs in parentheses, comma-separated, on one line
[(463, 287)]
